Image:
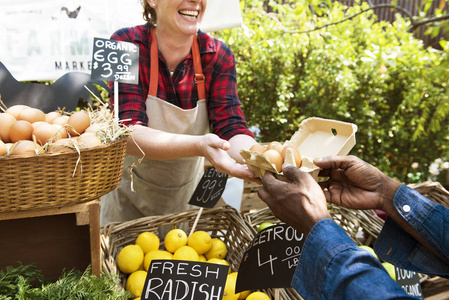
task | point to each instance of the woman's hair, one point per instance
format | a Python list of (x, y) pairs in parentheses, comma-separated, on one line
[(149, 14)]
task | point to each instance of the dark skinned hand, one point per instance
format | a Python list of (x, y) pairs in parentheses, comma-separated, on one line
[(300, 204), (354, 183)]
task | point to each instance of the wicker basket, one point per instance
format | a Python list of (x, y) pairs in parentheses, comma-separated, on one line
[(49, 180), (434, 191), (223, 222), (363, 226)]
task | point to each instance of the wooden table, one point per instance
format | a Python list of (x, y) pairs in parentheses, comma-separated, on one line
[(54, 239)]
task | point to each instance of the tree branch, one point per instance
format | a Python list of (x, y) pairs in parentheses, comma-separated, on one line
[(417, 24), (414, 23)]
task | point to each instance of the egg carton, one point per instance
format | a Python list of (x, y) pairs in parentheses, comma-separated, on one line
[(315, 137)]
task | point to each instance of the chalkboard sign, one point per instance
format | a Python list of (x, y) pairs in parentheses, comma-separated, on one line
[(210, 188), (409, 281), (115, 61), (180, 279), (271, 259)]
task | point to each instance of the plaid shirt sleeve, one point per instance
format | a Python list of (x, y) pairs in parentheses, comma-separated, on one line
[(225, 114)]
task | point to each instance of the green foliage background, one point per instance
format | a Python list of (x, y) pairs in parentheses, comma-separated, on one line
[(370, 73)]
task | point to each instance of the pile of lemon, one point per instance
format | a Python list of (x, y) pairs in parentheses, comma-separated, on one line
[(135, 259)]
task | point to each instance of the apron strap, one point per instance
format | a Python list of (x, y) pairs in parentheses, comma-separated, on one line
[(199, 76), (154, 70)]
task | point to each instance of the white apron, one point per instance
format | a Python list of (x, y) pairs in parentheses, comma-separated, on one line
[(161, 187)]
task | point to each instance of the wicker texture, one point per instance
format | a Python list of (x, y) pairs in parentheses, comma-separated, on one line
[(363, 226), (41, 181), (223, 222), (434, 191)]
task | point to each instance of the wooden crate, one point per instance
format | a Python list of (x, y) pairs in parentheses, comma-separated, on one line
[(54, 239)]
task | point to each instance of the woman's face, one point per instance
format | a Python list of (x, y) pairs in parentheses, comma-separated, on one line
[(179, 16)]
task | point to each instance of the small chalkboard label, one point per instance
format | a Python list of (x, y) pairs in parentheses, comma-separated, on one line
[(271, 258), (409, 281), (180, 279), (115, 61), (209, 189)]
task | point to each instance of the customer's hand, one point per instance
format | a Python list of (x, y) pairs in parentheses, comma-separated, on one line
[(354, 183), (300, 204)]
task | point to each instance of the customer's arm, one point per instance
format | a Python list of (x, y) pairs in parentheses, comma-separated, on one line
[(414, 222), (331, 265)]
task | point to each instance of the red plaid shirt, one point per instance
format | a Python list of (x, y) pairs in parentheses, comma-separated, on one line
[(226, 118)]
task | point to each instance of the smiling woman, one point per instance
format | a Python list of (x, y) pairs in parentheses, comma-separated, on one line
[(185, 108)]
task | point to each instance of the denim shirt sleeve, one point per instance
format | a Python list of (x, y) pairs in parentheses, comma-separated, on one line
[(332, 266), (430, 220)]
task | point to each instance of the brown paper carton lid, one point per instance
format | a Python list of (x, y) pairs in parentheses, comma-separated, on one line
[(315, 137)]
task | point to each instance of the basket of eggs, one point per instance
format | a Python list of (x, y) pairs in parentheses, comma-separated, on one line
[(316, 137), (58, 158)]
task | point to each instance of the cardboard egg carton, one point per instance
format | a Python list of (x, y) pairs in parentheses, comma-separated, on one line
[(315, 137)]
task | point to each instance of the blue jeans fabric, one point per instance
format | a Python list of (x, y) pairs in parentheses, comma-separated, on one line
[(332, 266)]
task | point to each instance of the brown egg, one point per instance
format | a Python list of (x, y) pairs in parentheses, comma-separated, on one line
[(21, 130), (37, 124), (8, 146), (32, 115), (296, 154), (62, 120), (6, 121), (257, 148), (63, 145), (49, 133), (78, 123), (51, 115), (15, 110), (275, 158), (24, 148), (275, 146), (88, 140), (3, 149), (62, 131), (93, 128)]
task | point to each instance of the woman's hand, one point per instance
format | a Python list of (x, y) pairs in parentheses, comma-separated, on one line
[(215, 150), (354, 183), (300, 204)]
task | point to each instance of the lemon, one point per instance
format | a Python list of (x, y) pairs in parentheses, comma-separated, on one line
[(186, 253), (217, 250), (258, 296), (243, 294), (369, 249), (390, 269), (130, 258), (219, 261), (201, 241), (202, 258), (229, 290), (136, 282), (263, 226), (155, 254), (148, 241), (174, 239)]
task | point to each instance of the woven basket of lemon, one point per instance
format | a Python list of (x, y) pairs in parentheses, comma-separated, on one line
[(218, 235), (58, 158)]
